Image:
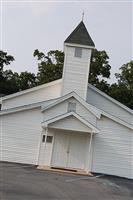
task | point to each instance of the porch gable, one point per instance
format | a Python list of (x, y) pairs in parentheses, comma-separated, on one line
[(70, 121)]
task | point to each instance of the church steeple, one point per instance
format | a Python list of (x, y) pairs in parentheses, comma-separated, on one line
[(77, 49), (80, 35)]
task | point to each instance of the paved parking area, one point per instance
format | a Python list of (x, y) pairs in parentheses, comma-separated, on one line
[(25, 182)]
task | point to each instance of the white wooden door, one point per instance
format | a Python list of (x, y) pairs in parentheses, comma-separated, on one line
[(77, 151), (60, 153), (69, 150)]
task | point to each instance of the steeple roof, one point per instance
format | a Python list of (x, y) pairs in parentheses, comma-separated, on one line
[(80, 35)]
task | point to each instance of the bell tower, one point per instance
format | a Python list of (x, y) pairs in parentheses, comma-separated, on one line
[(77, 49)]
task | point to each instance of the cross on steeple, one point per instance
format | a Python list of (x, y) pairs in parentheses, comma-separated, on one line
[(83, 16)]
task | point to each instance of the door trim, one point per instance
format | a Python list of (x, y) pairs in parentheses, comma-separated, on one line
[(69, 168)]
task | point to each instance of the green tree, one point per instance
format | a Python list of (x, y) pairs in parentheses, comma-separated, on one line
[(10, 83), (14, 82), (123, 89), (5, 60), (126, 75), (50, 66), (26, 80), (99, 70)]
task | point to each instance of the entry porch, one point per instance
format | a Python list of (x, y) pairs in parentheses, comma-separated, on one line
[(66, 143)]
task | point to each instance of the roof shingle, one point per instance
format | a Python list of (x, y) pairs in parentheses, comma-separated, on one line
[(80, 35)]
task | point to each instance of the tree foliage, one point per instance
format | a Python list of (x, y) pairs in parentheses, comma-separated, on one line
[(123, 89), (5, 76), (5, 59), (99, 66), (126, 75), (27, 80), (11, 82), (50, 67), (99, 70)]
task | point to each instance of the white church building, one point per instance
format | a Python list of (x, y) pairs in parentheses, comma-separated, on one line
[(68, 123)]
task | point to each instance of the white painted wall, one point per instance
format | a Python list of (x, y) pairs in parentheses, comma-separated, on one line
[(75, 72), (67, 124), (105, 104), (70, 123), (61, 108), (20, 136), (33, 96), (45, 152), (113, 149)]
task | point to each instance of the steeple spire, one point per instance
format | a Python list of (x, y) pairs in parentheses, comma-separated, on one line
[(83, 14), (77, 49), (80, 36)]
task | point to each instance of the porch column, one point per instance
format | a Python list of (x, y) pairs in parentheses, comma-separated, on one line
[(46, 134), (90, 142), (89, 153), (42, 145)]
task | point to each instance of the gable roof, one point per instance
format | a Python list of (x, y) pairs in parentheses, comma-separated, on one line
[(63, 116), (110, 98), (89, 107), (31, 89), (26, 107), (59, 81), (41, 104), (80, 36), (116, 119), (96, 111), (49, 103)]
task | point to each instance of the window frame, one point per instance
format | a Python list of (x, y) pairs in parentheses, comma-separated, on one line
[(71, 107), (78, 52), (49, 139)]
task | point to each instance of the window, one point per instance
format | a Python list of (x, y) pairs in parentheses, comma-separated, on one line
[(78, 52), (48, 140), (71, 107)]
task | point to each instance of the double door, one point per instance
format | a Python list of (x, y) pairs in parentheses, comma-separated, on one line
[(69, 150)]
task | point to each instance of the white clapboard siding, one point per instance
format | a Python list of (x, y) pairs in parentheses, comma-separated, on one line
[(113, 149), (34, 95), (20, 135), (70, 123), (45, 152), (75, 74), (107, 105), (62, 108), (57, 110), (84, 113)]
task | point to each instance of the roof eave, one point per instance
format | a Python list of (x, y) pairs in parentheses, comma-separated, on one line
[(57, 118), (78, 45), (110, 98), (31, 89)]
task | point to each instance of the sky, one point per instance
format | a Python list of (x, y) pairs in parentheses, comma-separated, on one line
[(44, 25)]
